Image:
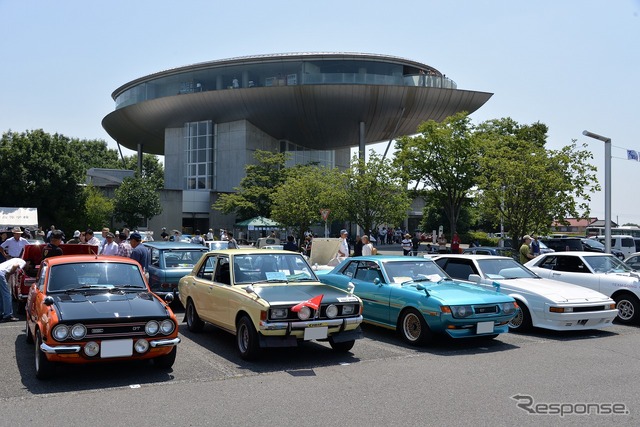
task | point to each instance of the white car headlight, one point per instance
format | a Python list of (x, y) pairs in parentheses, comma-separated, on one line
[(332, 311), (78, 331), (60, 332), (91, 348), (304, 313), (167, 327), (152, 327), (141, 346)]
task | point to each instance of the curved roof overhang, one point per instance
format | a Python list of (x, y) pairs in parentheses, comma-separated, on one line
[(320, 117)]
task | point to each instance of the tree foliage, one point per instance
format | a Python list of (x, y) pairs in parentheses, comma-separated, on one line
[(98, 208), (152, 169), (527, 185), (372, 194), (442, 158), (296, 203), (40, 170), (253, 197), (136, 200)]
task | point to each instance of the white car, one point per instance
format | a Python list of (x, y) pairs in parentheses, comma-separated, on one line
[(599, 271), (543, 303)]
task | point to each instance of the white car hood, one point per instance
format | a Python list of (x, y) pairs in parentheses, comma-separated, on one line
[(552, 289)]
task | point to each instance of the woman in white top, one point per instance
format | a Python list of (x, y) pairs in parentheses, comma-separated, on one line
[(367, 247)]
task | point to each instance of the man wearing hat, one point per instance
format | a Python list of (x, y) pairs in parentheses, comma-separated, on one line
[(110, 247), (164, 235), (139, 251), (12, 248), (406, 245), (525, 251)]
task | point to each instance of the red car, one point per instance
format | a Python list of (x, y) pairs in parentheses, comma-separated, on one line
[(21, 282), (96, 308)]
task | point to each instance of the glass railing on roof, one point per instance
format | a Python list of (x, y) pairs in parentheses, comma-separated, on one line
[(177, 85)]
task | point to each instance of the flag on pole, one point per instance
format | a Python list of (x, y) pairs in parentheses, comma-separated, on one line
[(632, 155), (311, 303)]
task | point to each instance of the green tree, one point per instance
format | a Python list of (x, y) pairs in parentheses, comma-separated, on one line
[(98, 208), (442, 158), (136, 200), (40, 170), (371, 194), (296, 203), (152, 169), (94, 154), (253, 196), (527, 185)]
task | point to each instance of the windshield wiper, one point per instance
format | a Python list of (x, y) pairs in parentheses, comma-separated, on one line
[(127, 287), (82, 288)]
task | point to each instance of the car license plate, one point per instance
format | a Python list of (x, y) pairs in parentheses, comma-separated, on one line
[(116, 348), (484, 327), (316, 333)]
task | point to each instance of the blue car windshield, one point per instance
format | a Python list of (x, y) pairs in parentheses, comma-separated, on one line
[(415, 269)]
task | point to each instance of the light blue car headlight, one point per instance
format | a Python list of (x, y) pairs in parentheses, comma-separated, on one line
[(461, 311), (509, 307)]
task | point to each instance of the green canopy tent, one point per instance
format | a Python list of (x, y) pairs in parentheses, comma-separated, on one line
[(256, 225)]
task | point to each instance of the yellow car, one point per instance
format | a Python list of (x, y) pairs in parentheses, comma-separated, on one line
[(268, 298)]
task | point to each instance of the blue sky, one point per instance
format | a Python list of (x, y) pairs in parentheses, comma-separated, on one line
[(571, 64)]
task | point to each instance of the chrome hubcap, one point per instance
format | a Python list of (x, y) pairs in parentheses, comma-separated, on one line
[(625, 309), (411, 326)]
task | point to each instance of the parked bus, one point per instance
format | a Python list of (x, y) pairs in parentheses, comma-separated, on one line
[(627, 230)]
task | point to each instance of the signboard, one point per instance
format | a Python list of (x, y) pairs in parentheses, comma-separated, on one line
[(324, 213), (24, 217)]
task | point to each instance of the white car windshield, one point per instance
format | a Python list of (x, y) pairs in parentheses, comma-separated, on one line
[(607, 264), (504, 269)]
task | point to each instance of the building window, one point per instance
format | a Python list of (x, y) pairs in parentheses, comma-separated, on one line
[(199, 155)]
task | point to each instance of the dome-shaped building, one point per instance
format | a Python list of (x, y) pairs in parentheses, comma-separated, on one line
[(208, 118)]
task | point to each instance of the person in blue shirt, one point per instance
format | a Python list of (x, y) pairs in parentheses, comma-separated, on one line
[(139, 251), (290, 245)]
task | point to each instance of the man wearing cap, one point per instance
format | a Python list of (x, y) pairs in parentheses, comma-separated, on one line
[(525, 251), (110, 247), (209, 235), (12, 248), (406, 245), (76, 238), (139, 251), (343, 249), (164, 235), (53, 247)]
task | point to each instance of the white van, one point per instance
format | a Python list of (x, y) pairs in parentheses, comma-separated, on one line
[(625, 244)]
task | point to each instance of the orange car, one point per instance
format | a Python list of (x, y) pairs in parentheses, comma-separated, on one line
[(88, 308)]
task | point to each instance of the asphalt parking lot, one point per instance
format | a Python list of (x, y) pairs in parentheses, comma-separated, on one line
[(381, 382)]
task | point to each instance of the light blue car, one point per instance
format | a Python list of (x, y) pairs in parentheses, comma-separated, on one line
[(417, 298)]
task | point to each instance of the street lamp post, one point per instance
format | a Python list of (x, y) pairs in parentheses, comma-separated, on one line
[(607, 187)]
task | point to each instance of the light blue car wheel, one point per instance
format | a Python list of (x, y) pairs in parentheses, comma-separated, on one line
[(413, 327)]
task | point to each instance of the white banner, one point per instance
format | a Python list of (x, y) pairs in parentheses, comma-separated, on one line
[(25, 217)]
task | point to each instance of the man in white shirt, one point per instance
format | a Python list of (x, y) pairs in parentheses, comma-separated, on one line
[(90, 238), (110, 247), (343, 249), (12, 248), (7, 268)]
